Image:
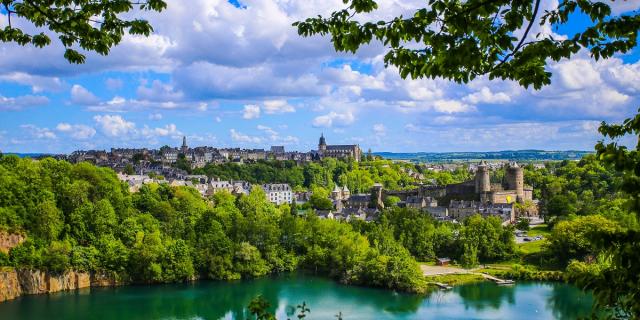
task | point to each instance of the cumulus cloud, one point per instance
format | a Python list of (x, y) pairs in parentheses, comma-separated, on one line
[(82, 96), (251, 111), (114, 125), (158, 91), (277, 106), (168, 130), (486, 96), (76, 131), (334, 119)]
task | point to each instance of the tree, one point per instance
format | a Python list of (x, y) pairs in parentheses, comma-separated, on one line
[(391, 201), (522, 224), (461, 40), (320, 199), (91, 25)]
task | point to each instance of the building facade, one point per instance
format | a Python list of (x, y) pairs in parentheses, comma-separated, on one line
[(278, 193), (352, 151)]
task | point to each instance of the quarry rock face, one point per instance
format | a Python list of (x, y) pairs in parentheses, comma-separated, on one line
[(14, 283)]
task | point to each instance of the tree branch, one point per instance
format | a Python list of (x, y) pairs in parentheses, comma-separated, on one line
[(9, 12), (524, 37)]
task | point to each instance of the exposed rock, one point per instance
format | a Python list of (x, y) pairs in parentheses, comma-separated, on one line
[(9, 240), (33, 281), (14, 283), (104, 280), (9, 285)]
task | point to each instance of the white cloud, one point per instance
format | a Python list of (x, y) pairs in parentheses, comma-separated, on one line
[(114, 125), (82, 96), (240, 137), (218, 119), (158, 92), (155, 116), (38, 133), (334, 119), (21, 102), (168, 130), (267, 130), (577, 74), (277, 106), (451, 106), (37, 83), (76, 131), (486, 96), (251, 111), (379, 129)]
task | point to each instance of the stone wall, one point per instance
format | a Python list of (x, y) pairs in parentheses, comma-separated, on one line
[(14, 283), (9, 240)]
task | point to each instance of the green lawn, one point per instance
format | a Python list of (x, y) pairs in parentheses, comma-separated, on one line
[(456, 279), (540, 230), (532, 247)]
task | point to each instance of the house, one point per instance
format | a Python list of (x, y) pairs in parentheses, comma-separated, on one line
[(278, 193), (443, 262)]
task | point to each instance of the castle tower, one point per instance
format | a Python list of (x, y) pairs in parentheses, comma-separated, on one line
[(346, 194), (483, 182), (336, 194), (322, 145), (376, 196), (515, 180)]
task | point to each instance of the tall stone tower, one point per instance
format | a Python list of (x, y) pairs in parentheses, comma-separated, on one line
[(483, 182), (322, 145), (515, 180), (184, 147)]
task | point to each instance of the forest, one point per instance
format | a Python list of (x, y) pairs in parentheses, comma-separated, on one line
[(82, 217)]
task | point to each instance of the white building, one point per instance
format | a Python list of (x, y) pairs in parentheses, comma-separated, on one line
[(278, 193)]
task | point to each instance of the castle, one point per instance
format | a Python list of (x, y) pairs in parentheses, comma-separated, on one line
[(338, 151), (510, 190)]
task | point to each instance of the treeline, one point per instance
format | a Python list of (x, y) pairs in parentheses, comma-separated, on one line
[(359, 177), (474, 241), (81, 217), (581, 203)]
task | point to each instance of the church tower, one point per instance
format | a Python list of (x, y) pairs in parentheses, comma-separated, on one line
[(184, 147), (322, 145)]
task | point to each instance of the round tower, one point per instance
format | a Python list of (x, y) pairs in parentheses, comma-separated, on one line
[(515, 180), (483, 182)]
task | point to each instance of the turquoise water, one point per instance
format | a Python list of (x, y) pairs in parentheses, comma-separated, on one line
[(228, 300)]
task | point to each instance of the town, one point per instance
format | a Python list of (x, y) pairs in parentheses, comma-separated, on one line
[(509, 199)]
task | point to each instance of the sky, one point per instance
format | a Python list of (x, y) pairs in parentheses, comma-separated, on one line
[(236, 74)]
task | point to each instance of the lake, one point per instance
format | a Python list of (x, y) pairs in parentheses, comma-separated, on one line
[(325, 298)]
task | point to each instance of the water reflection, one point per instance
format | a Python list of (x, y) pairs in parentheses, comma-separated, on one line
[(228, 300), (486, 295)]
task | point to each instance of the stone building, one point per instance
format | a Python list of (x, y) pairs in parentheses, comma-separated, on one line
[(338, 151), (278, 193)]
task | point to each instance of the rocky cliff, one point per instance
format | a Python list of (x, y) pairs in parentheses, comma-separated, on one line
[(9, 240), (14, 283)]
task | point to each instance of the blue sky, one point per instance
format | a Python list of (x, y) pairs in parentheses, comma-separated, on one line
[(237, 74)]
